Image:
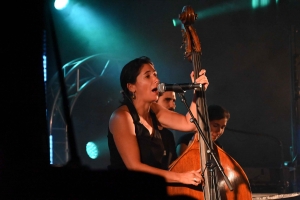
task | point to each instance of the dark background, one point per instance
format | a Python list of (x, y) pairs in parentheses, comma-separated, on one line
[(245, 51)]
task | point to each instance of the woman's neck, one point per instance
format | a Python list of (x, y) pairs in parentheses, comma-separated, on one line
[(142, 109)]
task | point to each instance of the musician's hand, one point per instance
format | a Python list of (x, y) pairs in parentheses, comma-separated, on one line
[(201, 79), (192, 177)]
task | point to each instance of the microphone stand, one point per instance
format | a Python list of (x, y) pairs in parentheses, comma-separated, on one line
[(210, 166)]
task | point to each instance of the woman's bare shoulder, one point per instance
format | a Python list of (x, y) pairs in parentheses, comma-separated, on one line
[(120, 113), (121, 120)]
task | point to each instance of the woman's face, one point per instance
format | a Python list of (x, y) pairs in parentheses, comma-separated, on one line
[(146, 83), (217, 128)]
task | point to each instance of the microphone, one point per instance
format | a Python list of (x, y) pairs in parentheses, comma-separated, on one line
[(177, 87)]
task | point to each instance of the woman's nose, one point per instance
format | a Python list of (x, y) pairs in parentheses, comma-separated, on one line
[(173, 105), (218, 130)]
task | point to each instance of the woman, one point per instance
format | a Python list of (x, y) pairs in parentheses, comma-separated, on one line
[(134, 139)]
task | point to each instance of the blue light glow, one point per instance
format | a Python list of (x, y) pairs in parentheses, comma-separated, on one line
[(60, 4), (51, 149), (92, 150)]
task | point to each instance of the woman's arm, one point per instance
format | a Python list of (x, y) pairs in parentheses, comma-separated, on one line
[(123, 130), (176, 121)]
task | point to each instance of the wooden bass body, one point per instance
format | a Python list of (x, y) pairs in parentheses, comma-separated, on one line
[(190, 160)]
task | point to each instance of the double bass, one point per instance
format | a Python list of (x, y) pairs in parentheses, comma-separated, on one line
[(224, 178)]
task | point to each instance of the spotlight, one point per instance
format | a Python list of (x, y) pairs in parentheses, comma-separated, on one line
[(60, 4), (92, 150)]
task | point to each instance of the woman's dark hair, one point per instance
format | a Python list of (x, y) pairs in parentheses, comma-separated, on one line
[(130, 71), (217, 112)]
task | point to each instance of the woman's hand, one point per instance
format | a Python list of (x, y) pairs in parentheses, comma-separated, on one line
[(201, 79), (191, 177)]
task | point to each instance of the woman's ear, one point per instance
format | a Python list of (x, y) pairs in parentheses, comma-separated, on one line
[(131, 87)]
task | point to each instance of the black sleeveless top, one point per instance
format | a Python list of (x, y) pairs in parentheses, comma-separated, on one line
[(170, 147), (151, 146)]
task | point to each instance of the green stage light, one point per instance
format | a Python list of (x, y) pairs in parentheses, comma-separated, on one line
[(60, 4), (92, 150), (264, 3), (261, 3), (174, 22), (255, 3)]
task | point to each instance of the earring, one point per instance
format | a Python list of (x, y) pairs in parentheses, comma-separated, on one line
[(133, 95)]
